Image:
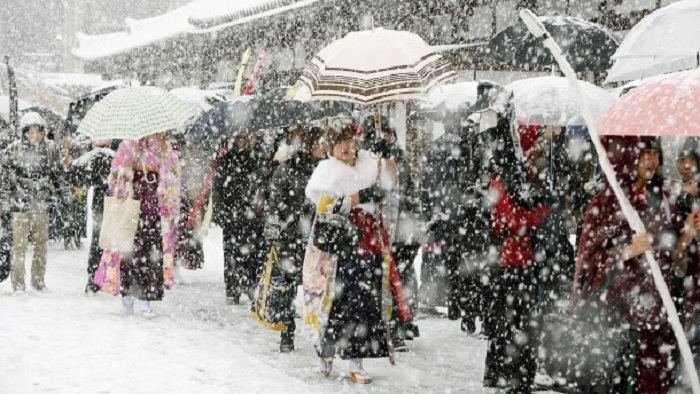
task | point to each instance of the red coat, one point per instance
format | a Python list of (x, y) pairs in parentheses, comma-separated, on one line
[(514, 223)]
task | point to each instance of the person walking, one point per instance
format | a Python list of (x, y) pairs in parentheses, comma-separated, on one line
[(289, 216), (91, 170), (236, 185), (33, 172), (511, 358), (190, 251), (611, 261), (150, 167), (346, 189)]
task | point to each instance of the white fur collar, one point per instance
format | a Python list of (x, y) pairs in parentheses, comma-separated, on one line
[(335, 178)]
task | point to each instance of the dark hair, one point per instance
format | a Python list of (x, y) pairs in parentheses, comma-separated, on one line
[(336, 136)]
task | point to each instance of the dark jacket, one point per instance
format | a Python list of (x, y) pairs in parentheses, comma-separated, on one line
[(288, 213), (236, 184), (409, 227), (32, 175)]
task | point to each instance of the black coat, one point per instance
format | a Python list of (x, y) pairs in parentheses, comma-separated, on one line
[(237, 182), (288, 212), (31, 176)]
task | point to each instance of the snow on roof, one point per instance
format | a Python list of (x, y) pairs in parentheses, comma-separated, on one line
[(199, 16), (213, 15), (139, 33)]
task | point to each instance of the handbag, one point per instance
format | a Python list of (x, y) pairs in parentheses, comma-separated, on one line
[(272, 296), (5, 256), (120, 219)]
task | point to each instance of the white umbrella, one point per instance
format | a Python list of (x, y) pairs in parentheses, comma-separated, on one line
[(452, 96), (136, 112), (552, 101), (377, 65), (666, 40)]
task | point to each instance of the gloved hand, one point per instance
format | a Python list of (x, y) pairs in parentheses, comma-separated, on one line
[(382, 148), (371, 194), (272, 229)]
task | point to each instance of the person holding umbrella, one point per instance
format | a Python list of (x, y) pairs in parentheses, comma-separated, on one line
[(144, 193), (346, 190), (32, 170), (610, 261)]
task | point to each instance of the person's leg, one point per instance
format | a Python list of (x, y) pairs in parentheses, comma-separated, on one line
[(39, 224), (20, 233), (233, 292), (95, 251)]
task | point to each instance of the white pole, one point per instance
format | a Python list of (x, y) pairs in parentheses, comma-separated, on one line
[(539, 31)]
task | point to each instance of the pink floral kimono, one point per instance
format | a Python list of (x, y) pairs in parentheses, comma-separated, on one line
[(155, 179)]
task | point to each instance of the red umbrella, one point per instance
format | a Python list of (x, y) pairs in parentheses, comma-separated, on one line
[(666, 106)]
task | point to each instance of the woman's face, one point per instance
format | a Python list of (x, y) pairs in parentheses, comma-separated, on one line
[(346, 151), (648, 163), (687, 167)]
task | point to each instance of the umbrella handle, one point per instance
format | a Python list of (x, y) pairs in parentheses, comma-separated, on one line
[(635, 222)]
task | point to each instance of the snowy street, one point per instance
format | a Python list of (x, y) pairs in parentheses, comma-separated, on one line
[(63, 342)]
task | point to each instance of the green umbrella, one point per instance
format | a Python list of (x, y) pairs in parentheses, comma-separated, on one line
[(136, 112)]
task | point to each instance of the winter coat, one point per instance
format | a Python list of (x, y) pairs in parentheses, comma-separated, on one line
[(32, 175), (513, 224), (236, 186), (289, 214), (631, 296)]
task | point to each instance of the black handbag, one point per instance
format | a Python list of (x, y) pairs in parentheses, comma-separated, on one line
[(5, 256), (273, 295)]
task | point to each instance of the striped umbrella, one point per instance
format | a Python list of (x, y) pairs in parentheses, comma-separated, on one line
[(373, 66), (136, 112)]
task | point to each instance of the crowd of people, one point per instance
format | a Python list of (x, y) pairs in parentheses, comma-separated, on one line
[(493, 216)]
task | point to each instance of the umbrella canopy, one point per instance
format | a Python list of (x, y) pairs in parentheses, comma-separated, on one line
[(204, 99), (664, 41), (377, 65), (552, 101), (229, 118), (588, 46), (81, 105), (136, 112), (663, 107), (452, 96)]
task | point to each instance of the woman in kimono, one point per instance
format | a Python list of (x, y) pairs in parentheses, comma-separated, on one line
[(347, 291), (150, 166), (613, 282)]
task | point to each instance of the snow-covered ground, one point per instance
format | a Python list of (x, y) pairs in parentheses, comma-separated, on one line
[(61, 341)]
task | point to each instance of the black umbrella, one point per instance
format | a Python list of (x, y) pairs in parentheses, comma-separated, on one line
[(588, 46), (54, 121), (247, 114)]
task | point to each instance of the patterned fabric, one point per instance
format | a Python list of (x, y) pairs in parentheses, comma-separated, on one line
[(136, 112), (145, 154)]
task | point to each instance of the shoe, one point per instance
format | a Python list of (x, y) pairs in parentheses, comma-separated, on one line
[(411, 331), (144, 308), (91, 289), (468, 326), (399, 345), (38, 285), (360, 377), (127, 305), (286, 344), (325, 366), (233, 300), (543, 380)]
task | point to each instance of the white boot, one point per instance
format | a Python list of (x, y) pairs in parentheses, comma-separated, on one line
[(127, 305), (144, 309)]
